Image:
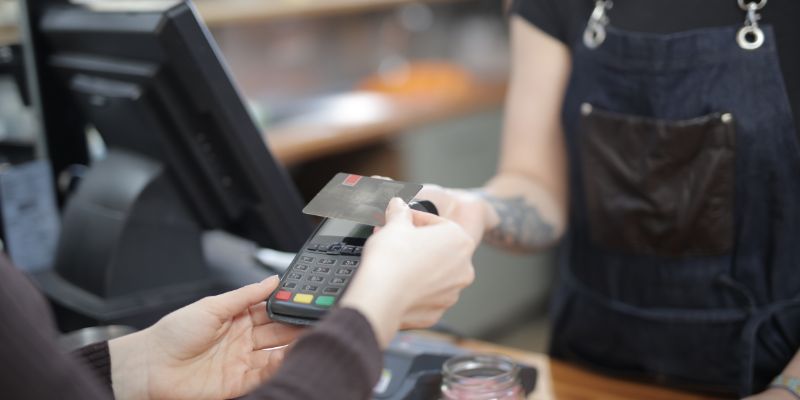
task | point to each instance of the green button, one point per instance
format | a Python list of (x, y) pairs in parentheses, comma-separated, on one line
[(325, 301)]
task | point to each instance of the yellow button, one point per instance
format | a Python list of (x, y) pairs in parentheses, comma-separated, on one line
[(303, 298)]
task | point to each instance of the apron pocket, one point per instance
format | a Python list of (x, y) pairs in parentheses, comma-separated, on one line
[(694, 350), (659, 187)]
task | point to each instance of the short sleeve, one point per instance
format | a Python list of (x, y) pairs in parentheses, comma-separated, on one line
[(544, 14)]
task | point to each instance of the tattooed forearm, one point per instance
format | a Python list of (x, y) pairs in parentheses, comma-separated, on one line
[(521, 224)]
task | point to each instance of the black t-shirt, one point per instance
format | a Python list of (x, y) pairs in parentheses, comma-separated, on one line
[(566, 19)]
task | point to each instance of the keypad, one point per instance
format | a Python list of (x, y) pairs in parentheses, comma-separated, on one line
[(322, 274)]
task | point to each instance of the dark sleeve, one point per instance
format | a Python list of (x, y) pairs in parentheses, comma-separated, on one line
[(34, 367), (338, 359), (97, 358), (544, 14)]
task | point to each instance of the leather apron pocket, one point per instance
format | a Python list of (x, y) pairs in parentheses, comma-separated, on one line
[(659, 187)]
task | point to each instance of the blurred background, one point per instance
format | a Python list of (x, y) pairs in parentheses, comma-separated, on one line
[(407, 89)]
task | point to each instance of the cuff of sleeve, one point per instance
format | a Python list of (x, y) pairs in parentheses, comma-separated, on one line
[(96, 356), (352, 328), (339, 358)]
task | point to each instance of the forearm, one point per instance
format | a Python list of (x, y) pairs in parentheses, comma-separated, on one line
[(793, 368), (778, 393), (521, 214)]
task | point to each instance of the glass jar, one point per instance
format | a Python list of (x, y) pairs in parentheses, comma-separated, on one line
[(481, 377)]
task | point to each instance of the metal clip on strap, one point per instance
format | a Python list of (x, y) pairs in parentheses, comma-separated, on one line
[(595, 33), (750, 36)]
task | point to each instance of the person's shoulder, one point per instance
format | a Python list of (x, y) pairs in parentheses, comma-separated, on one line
[(561, 19)]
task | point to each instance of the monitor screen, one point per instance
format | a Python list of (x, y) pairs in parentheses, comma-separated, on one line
[(184, 158), (149, 78)]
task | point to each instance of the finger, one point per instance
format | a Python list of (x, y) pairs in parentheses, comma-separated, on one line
[(274, 335), (259, 315), (398, 212), (235, 302), (421, 218), (264, 363)]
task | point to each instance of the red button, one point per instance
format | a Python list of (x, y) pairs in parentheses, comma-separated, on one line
[(283, 295)]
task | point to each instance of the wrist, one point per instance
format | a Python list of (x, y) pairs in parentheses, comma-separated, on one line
[(380, 311), (488, 216), (129, 366)]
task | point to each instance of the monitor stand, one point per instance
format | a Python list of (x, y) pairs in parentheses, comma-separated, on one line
[(129, 251)]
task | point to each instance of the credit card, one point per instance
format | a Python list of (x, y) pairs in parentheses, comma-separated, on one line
[(359, 198)]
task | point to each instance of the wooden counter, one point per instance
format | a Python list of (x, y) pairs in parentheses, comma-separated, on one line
[(231, 12), (558, 380), (362, 118)]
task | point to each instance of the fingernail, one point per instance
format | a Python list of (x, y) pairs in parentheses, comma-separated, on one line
[(271, 279)]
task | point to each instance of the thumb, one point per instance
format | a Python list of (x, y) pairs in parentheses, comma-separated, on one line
[(398, 212), (230, 304)]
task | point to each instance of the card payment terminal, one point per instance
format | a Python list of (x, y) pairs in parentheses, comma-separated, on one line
[(319, 274)]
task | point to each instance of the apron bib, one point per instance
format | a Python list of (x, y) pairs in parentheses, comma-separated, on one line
[(680, 264)]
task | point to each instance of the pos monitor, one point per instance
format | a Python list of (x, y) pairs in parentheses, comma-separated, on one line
[(184, 157)]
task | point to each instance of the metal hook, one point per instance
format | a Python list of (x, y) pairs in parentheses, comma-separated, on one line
[(750, 36), (595, 33), (745, 5)]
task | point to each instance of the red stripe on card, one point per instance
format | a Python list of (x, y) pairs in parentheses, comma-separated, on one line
[(351, 180)]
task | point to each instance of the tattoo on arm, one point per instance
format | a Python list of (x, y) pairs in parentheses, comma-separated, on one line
[(521, 224)]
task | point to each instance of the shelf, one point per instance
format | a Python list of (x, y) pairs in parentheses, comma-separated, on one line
[(227, 12)]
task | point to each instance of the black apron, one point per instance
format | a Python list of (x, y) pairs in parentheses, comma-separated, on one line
[(681, 261)]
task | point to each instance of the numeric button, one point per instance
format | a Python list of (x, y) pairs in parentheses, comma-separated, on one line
[(344, 271), (338, 281), (331, 290)]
